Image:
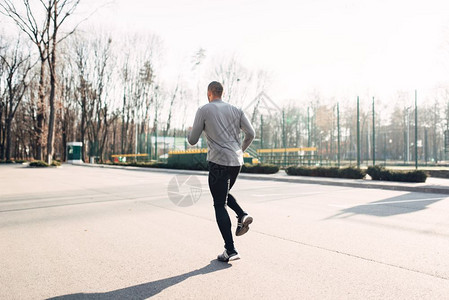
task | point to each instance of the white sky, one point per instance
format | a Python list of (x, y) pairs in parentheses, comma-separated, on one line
[(339, 47)]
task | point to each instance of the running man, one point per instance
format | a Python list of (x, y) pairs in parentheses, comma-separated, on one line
[(222, 123)]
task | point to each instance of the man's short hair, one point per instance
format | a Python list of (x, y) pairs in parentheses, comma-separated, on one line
[(216, 88)]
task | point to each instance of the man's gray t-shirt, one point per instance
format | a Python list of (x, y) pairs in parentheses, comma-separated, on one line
[(222, 123)]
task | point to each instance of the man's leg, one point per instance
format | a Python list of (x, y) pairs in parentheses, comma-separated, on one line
[(232, 202), (244, 219), (219, 186)]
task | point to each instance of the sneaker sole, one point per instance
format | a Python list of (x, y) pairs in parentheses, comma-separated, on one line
[(232, 258), (245, 226), (235, 257)]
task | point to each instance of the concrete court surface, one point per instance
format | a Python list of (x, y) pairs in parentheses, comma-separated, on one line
[(93, 233)]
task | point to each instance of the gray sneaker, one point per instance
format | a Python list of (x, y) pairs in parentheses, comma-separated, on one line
[(225, 257), (243, 225)]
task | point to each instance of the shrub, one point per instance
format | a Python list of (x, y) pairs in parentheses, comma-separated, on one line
[(38, 164), (19, 161), (260, 169), (154, 165), (380, 173), (350, 173), (246, 168), (199, 166), (376, 172), (56, 163), (6, 161), (438, 173)]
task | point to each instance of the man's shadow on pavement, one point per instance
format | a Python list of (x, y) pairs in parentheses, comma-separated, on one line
[(149, 289)]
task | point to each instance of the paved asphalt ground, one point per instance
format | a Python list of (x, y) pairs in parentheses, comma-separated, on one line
[(92, 233)]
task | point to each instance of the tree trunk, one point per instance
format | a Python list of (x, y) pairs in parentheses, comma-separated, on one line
[(123, 135), (40, 112), (51, 123), (8, 139), (2, 144), (83, 128), (64, 139), (105, 136), (114, 130), (102, 145), (52, 62)]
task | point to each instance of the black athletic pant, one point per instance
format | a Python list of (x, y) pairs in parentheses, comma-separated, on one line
[(221, 180)]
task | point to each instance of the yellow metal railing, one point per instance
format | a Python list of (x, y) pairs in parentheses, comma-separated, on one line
[(283, 150), (190, 151), (195, 151), (129, 155)]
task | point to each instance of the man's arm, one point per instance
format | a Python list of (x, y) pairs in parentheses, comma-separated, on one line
[(248, 129), (197, 128)]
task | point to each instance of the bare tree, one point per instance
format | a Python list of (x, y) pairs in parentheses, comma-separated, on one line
[(98, 74), (38, 33), (145, 82), (197, 62), (84, 91), (235, 79), (262, 79), (68, 113), (45, 35), (139, 93), (170, 109), (16, 67), (104, 57), (58, 11), (2, 103)]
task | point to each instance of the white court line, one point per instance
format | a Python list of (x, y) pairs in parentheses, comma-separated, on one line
[(386, 202)]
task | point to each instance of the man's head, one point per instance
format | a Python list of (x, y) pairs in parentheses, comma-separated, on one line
[(214, 91)]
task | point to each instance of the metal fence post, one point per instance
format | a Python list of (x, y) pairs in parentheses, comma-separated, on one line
[(261, 132), (338, 134), (358, 132), (374, 135), (283, 137), (416, 129)]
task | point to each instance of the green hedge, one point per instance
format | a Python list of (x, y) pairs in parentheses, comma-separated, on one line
[(139, 164), (56, 163), (184, 166), (20, 161), (380, 173), (160, 165), (38, 164), (43, 164), (350, 173), (6, 161), (438, 173), (246, 168), (188, 161), (260, 169)]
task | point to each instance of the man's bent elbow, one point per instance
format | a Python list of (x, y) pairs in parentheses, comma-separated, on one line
[(192, 141), (250, 135)]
